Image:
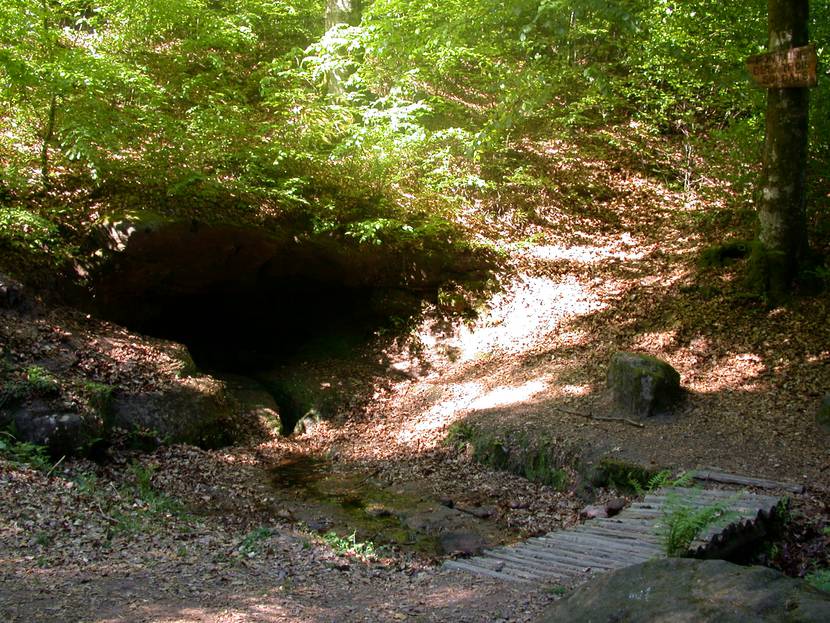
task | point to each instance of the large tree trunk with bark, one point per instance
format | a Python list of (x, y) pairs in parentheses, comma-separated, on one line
[(783, 230)]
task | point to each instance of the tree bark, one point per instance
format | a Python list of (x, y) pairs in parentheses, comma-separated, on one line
[(348, 12), (48, 135), (343, 12), (783, 229)]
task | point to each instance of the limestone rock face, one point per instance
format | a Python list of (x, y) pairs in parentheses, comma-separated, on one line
[(680, 590), (642, 385)]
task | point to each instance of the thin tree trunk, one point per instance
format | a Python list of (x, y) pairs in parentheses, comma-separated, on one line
[(783, 230), (339, 12), (48, 135), (49, 130)]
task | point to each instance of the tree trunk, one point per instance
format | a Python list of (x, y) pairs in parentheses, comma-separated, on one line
[(339, 12), (48, 135), (783, 229), (343, 12)]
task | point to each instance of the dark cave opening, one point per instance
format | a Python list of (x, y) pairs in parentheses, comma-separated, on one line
[(229, 330), (261, 302)]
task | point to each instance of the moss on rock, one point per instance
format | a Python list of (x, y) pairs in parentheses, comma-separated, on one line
[(642, 385)]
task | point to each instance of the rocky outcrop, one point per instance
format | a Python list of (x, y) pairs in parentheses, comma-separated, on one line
[(73, 383), (194, 410), (642, 385), (62, 432), (677, 590), (11, 293), (245, 298)]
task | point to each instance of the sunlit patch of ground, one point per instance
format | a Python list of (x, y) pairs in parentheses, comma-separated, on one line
[(581, 291), (602, 256)]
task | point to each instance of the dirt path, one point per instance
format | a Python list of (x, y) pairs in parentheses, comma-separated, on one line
[(92, 543)]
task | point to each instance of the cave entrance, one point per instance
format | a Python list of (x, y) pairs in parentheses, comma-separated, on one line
[(255, 301), (228, 330)]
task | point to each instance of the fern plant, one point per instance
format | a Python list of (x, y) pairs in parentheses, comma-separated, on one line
[(683, 523), (660, 480)]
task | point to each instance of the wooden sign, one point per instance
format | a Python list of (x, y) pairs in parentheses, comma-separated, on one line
[(788, 69)]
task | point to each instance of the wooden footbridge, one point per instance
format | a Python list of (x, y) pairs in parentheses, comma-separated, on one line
[(635, 535)]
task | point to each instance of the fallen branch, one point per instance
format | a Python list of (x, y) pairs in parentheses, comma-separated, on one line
[(601, 418), (55, 466), (112, 520)]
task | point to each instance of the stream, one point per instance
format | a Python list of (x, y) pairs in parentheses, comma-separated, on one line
[(402, 517)]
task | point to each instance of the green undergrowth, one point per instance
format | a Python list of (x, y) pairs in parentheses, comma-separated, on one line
[(623, 476), (819, 579), (149, 510), (23, 452), (350, 545), (682, 523), (543, 459), (255, 540)]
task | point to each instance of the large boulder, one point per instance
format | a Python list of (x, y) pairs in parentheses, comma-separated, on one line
[(61, 432), (194, 410), (12, 293), (678, 590), (643, 385)]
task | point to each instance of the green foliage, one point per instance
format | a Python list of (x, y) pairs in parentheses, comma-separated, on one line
[(35, 380), (26, 230), (557, 590), (99, 396), (350, 545), (151, 501), (624, 476), (23, 452), (221, 109), (683, 523), (253, 541), (819, 579), (86, 482), (664, 479), (41, 381), (538, 460)]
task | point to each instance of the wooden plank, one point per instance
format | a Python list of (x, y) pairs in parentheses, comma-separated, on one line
[(787, 69), (632, 522), (646, 513), (711, 475), (621, 534), (632, 527), (572, 567), (513, 566), (662, 495), (629, 538), (609, 543), (583, 559), (457, 565), (604, 550), (589, 555)]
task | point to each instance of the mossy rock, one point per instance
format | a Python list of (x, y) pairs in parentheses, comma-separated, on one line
[(722, 254), (622, 475), (704, 591), (196, 410), (642, 385), (539, 460), (305, 397)]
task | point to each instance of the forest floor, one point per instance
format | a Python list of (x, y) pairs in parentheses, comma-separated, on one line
[(184, 534)]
